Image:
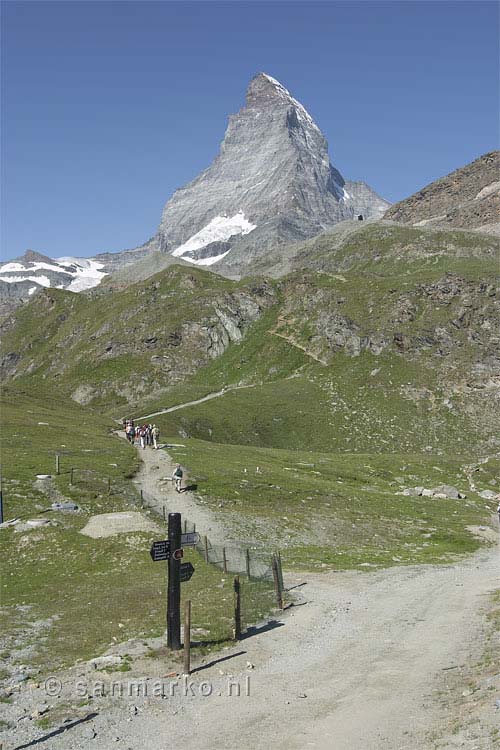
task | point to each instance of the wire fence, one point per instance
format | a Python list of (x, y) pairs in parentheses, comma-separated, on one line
[(260, 579)]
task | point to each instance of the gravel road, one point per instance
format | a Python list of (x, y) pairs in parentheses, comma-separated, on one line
[(359, 662)]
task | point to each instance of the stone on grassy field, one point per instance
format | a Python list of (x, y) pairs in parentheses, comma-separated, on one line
[(103, 662), (67, 506), (447, 491), (488, 494)]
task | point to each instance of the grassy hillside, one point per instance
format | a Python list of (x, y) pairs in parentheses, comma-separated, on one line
[(325, 509), (388, 341), (66, 596)]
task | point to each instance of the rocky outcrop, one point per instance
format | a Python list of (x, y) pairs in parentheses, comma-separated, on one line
[(469, 197)]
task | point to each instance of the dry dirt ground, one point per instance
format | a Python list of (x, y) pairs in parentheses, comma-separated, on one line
[(362, 661)]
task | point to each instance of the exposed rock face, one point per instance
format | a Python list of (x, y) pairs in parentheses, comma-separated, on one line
[(272, 183), (469, 197)]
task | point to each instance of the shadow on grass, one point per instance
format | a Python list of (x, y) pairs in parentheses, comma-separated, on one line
[(60, 730)]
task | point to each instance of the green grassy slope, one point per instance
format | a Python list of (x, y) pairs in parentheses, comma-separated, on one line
[(339, 510), (66, 596)]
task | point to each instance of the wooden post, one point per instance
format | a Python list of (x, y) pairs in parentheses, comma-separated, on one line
[(247, 559), (277, 590), (280, 572), (164, 514), (142, 499), (205, 542), (187, 637), (57, 463), (224, 560), (109, 485), (174, 583), (237, 608), (185, 525), (71, 479), (194, 527)]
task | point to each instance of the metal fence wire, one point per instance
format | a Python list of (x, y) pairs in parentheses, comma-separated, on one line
[(230, 559), (258, 595)]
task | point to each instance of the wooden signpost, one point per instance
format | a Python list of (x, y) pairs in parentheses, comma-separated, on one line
[(171, 550)]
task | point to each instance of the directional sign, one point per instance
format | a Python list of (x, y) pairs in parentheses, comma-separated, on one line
[(160, 550), (190, 539), (178, 554), (187, 571)]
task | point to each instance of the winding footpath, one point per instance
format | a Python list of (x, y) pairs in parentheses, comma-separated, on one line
[(208, 397)]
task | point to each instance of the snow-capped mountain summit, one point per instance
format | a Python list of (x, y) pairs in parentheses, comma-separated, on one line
[(271, 183)]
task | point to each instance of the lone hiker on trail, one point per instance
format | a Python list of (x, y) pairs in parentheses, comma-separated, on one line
[(155, 434), (177, 477)]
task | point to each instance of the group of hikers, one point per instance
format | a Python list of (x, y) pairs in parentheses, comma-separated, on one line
[(146, 434)]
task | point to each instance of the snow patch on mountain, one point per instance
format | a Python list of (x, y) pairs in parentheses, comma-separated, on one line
[(41, 280), (86, 273), (219, 229), (83, 272)]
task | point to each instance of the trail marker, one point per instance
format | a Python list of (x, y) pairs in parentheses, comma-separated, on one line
[(190, 539), (187, 571), (178, 554), (160, 550)]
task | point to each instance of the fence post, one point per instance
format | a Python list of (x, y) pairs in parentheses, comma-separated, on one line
[(57, 463), (277, 590), (164, 514), (247, 560), (237, 608), (194, 527), (109, 485), (187, 637), (142, 499), (280, 572), (185, 525), (71, 479), (224, 560), (205, 542)]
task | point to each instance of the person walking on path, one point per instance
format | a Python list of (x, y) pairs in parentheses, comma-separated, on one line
[(155, 434), (177, 477)]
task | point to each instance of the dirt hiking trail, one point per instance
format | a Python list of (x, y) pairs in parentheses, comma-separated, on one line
[(154, 478), (357, 663), (361, 661)]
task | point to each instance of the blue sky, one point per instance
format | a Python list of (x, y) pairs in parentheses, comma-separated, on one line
[(108, 107)]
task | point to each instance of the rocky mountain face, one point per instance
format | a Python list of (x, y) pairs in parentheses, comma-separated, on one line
[(469, 197), (272, 183)]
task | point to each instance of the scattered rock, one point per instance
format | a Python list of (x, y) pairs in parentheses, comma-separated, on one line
[(446, 491), (102, 662), (488, 495), (66, 506), (19, 677)]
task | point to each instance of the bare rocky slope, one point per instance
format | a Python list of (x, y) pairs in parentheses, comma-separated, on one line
[(271, 183), (469, 198)]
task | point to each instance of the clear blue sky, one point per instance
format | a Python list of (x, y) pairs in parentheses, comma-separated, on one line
[(110, 106)]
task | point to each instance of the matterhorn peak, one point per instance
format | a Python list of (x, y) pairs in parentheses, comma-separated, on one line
[(265, 91), (265, 87), (271, 184)]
